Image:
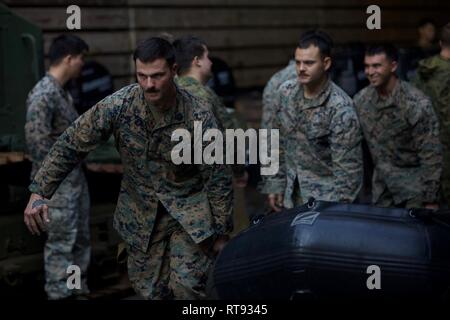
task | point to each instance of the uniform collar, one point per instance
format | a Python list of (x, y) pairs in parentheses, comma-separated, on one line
[(186, 81), (56, 84), (319, 100), (174, 115), (388, 101)]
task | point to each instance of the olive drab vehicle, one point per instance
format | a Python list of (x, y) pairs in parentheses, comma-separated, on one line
[(21, 254)]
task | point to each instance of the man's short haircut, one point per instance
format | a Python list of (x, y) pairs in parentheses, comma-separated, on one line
[(186, 49), (65, 45), (167, 36), (388, 49), (425, 21), (445, 35), (318, 39), (154, 48)]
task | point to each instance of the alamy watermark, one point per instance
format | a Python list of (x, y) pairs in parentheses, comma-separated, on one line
[(374, 20), (74, 20), (213, 153), (374, 280), (74, 280)]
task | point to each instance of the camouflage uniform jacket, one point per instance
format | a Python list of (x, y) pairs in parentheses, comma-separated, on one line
[(271, 88), (199, 197), (433, 78), (402, 133), (50, 111), (201, 91), (219, 110), (320, 145)]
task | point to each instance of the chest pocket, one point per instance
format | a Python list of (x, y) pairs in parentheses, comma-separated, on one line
[(133, 145), (317, 132), (398, 132), (318, 140), (161, 145), (160, 150), (398, 137)]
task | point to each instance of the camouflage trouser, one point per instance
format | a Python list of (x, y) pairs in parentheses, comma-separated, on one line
[(174, 267), (386, 200), (68, 241)]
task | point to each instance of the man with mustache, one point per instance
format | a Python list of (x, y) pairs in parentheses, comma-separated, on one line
[(320, 136), (173, 218), (402, 132)]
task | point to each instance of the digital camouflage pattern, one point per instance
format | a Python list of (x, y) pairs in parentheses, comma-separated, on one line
[(172, 267), (201, 91), (225, 119), (433, 78), (50, 111), (402, 132), (320, 145), (198, 197), (68, 236), (270, 90)]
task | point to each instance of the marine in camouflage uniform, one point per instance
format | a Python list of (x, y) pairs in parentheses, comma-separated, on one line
[(50, 111), (194, 70), (402, 132), (270, 92), (225, 120), (433, 78), (164, 210), (320, 145)]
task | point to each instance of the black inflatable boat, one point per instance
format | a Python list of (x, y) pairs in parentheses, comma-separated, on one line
[(323, 250)]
